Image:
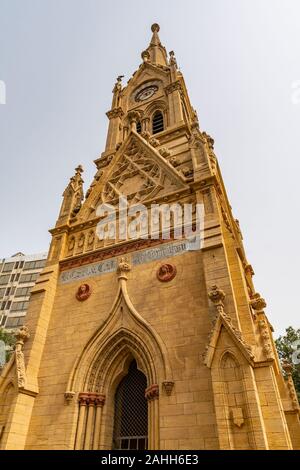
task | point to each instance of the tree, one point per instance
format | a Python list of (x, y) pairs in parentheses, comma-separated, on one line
[(9, 339), (288, 347)]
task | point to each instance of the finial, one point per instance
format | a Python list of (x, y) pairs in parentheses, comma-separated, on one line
[(155, 28), (79, 169), (119, 78)]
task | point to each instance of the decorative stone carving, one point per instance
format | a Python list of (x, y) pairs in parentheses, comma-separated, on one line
[(237, 416), (21, 335), (91, 238), (71, 244), (124, 266), (139, 175), (187, 172), (81, 240), (173, 87), (168, 387), (83, 293), (173, 61), (105, 161), (249, 270), (145, 56), (166, 272), (288, 368), (164, 152), (217, 296), (258, 303), (265, 336), (91, 399), (174, 161), (115, 113), (152, 392), (154, 142), (69, 396)]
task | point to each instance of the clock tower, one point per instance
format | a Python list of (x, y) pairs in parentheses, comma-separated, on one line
[(145, 342)]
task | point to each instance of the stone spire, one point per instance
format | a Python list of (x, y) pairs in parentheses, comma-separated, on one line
[(155, 53)]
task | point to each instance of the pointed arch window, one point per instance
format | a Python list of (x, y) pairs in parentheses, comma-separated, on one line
[(139, 127), (157, 122), (131, 411)]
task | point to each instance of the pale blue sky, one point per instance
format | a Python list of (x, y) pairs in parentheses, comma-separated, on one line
[(59, 60)]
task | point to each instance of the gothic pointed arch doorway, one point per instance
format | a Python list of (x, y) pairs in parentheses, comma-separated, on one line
[(131, 411)]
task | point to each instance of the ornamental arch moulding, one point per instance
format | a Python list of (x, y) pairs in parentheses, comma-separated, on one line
[(123, 337), (123, 329)]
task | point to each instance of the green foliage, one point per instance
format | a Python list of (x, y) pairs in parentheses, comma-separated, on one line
[(285, 347), (9, 339)]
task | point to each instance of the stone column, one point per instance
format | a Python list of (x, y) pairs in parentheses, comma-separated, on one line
[(152, 394), (83, 401), (99, 402), (90, 421)]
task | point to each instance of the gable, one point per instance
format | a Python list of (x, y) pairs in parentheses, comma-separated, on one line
[(140, 173)]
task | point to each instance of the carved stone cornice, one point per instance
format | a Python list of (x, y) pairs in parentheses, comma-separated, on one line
[(173, 87), (115, 113)]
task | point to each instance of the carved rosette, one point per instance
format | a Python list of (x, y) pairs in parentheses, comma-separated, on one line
[(84, 292), (123, 268), (166, 272), (168, 386), (152, 392)]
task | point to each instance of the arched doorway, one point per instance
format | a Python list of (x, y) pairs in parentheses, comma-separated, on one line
[(131, 411)]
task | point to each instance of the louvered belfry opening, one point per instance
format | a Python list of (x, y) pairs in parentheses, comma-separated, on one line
[(157, 122), (131, 411)]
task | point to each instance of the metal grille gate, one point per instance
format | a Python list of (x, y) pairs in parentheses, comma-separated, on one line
[(131, 412)]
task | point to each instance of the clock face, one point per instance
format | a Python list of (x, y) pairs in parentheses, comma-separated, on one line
[(146, 93)]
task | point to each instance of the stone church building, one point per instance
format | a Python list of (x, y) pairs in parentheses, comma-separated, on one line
[(145, 343)]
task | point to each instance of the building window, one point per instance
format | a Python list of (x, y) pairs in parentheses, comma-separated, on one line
[(2, 293), (139, 127), (157, 122), (21, 264), (19, 306), (3, 305), (131, 412), (8, 267), (28, 278), (34, 265), (14, 322), (23, 291), (3, 319)]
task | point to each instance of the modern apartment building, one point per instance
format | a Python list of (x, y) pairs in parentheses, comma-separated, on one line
[(18, 275)]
